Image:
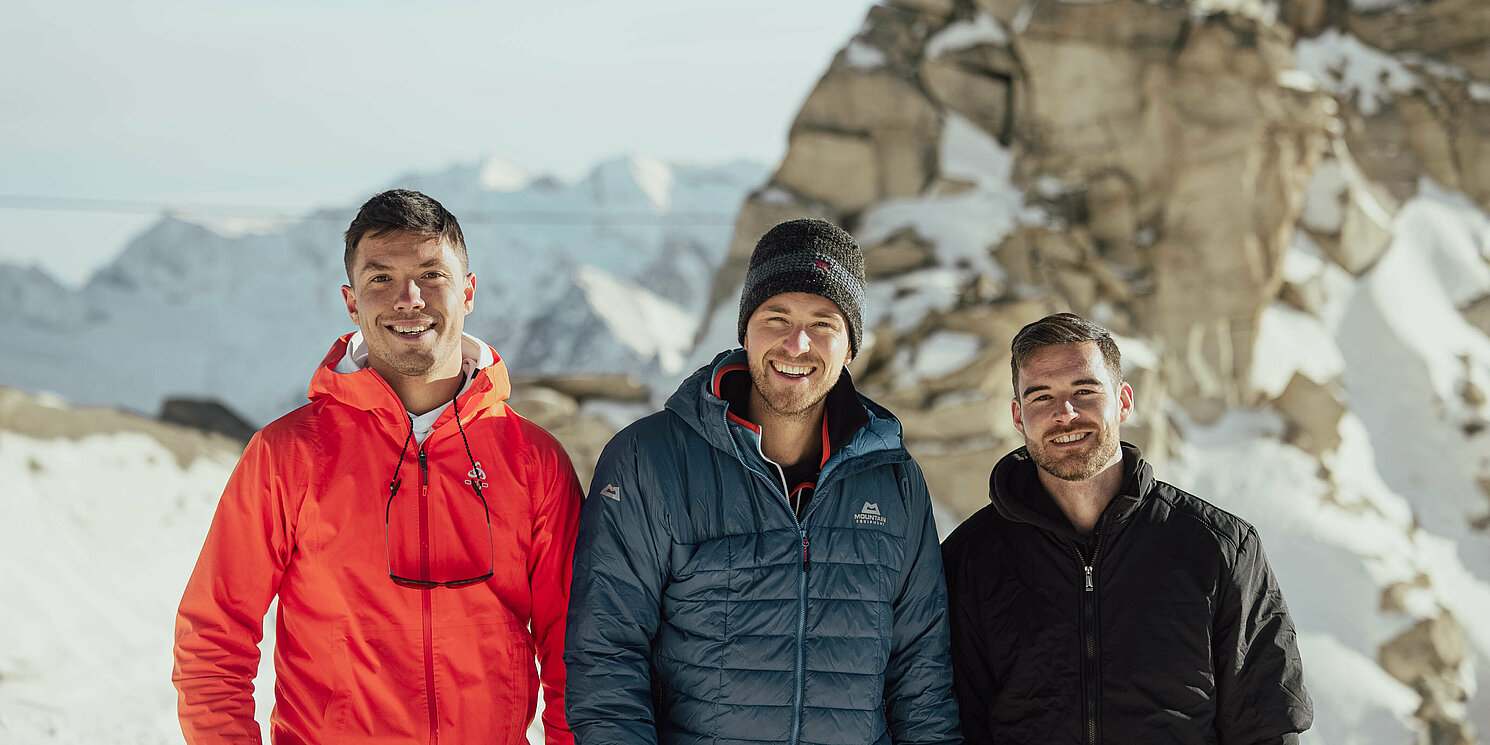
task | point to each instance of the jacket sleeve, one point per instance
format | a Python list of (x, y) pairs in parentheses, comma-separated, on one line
[(1259, 676), (973, 679), (550, 562), (620, 564), (919, 705), (221, 617)]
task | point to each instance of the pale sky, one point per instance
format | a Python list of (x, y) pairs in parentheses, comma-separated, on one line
[(292, 105)]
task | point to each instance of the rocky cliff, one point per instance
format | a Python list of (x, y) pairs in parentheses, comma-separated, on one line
[(1280, 207)]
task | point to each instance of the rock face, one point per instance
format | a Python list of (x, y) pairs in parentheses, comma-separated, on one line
[(1281, 210)]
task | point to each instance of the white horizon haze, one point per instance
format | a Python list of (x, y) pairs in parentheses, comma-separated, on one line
[(283, 107)]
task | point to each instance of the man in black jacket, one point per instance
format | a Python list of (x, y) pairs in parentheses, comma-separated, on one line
[(1091, 603)]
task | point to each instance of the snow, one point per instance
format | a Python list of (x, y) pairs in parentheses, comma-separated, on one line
[(982, 29), (863, 55), (651, 327), (1324, 198), (962, 228), (941, 353), (1348, 67), (103, 528), (1137, 353), (1290, 341), (500, 174), (1333, 547), (655, 179), (1380, 708)]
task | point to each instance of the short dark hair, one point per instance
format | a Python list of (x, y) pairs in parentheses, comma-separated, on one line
[(1063, 328), (404, 210)]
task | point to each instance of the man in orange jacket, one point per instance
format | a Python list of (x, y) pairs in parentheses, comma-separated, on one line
[(417, 532)]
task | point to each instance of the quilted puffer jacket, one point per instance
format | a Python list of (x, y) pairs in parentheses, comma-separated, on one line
[(704, 611)]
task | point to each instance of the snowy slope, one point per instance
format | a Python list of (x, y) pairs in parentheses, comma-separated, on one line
[(188, 311)]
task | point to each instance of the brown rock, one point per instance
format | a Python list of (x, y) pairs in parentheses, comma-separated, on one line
[(1150, 28), (1452, 31), (978, 83), (1431, 648), (841, 170), (1429, 139), (581, 388), (1477, 312), (850, 107), (957, 477), (1313, 412), (1365, 231), (1111, 208), (902, 252), (542, 405)]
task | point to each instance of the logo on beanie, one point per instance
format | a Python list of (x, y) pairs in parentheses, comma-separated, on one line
[(820, 264)]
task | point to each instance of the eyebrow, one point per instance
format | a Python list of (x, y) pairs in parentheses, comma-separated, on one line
[(373, 266), (1087, 382)]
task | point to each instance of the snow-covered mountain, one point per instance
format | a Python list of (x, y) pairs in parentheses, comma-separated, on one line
[(605, 274)]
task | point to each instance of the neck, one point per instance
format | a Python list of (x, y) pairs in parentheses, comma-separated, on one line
[(425, 393), (785, 440), (1082, 502)]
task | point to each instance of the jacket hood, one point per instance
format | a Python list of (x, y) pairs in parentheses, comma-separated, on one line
[(699, 404), (1016, 492), (366, 390)]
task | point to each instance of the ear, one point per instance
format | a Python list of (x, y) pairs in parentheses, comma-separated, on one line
[(470, 292), (1018, 415), (1125, 403), (351, 300)]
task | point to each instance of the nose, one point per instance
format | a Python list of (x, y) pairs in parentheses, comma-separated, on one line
[(1065, 412), (409, 297), (797, 342)]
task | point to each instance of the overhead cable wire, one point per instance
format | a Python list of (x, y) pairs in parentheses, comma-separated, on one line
[(339, 215)]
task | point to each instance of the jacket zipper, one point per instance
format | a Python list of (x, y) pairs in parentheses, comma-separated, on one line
[(427, 598), (798, 682), (1092, 690)]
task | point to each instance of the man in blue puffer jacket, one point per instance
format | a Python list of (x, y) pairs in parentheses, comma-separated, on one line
[(757, 563)]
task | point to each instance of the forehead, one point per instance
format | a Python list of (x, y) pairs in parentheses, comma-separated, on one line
[(400, 248), (1063, 363), (798, 303)]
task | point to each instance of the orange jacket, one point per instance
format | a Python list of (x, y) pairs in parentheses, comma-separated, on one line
[(358, 658)]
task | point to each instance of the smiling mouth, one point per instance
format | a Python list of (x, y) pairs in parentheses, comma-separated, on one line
[(1069, 438), (410, 328), (791, 371)]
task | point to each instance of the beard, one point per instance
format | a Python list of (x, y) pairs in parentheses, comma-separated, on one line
[(412, 361), (795, 403), (1078, 465)]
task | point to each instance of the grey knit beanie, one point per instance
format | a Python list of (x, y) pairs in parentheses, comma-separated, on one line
[(812, 256)]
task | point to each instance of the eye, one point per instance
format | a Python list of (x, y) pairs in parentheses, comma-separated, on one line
[(433, 275), (378, 278)]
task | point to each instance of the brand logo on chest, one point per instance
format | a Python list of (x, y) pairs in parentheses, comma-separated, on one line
[(869, 514)]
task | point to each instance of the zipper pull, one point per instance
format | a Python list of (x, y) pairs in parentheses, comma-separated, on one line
[(423, 462), (1089, 586), (806, 560)]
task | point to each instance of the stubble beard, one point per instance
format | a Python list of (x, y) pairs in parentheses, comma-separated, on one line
[(789, 406), (1077, 466), (419, 362)]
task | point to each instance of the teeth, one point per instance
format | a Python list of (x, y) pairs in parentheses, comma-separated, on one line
[(411, 329), (790, 369), (1070, 438)]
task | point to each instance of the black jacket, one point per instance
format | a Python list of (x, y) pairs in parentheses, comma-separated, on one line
[(1167, 626)]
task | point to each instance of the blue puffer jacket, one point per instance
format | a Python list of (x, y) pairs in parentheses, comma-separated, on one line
[(702, 611)]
